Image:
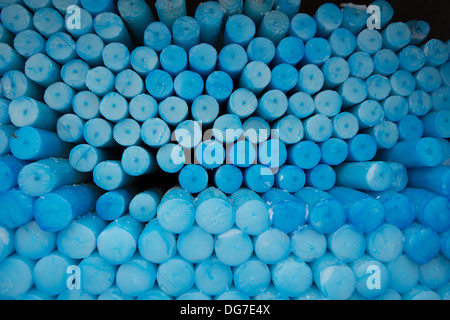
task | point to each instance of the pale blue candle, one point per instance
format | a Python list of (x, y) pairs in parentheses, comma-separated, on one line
[(111, 28), (402, 83), (143, 206), (173, 59), (74, 74), (48, 21), (255, 77), (25, 111), (305, 154), (155, 294), (16, 274), (193, 178), (188, 134), (259, 178), (143, 107), (261, 49), (169, 11), (386, 10), (411, 58), (59, 96), (421, 243), (61, 47), (444, 292), (100, 80), (43, 70), (311, 294), (322, 177), (385, 134), (155, 132), (113, 293), (445, 144), (354, 19), (16, 84), (112, 205), (136, 15), (371, 113), (219, 85), (435, 52), (175, 276), (228, 178), (98, 132), (7, 244), (292, 50), (345, 125), (284, 77), (18, 209), (303, 26), (274, 26), (55, 210), (435, 124), (227, 128), (86, 105), (299, 274), (272, 105), (79, 239), (256, 129), (157, 36), (335, 71), (116, 57), (176, 212), (173, 110), (366, 287), (28, 42), (251, 277), (239, 29), (386, 62), (202, 59), (213, 277), (114, 107), (325, 214), (435, 179), (159, 84), (435, 274), (98, 274), (89, 47), (385, 244), (62, 5), (289, 7), (342, 42), (129, 84), (268, 253), (186, 32), (400, 176), (334, 151), (75, 27), (233, 247), (369, 41), (328, 18), (143, 60), (289, 129), (361, 65), (24, 19), (310, 79), (420, 292), (364, 212), (257, 9), (109, 175), (209, 16), (271, 293), (352, 91), (400, 210), (28, 143), (210, 154), (231, 7), (188, 85), (347, 243), (10, 168), (195, 245), (419, 31), (301, 105), (272, 153), (6, 131), (318, 128), (428, 79), (136, 277), (396, 35), (232, 59), (308, 244), (328, 103), (420, 103), (127, 132), (378, 87), (156, 244)]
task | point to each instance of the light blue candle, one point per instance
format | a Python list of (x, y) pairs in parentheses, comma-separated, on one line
[(6, 131), (173, 110), (334, 151), (136, 277), (116, 57), (411, 58), (55, 210), (28, 42), (289, 7), (352, 91), (74, 74), (193, 178), (311, 294), (318, 128), (308, 244), (435, 52), (284, 77), (219, 85), (367, 287), (257, 9), (347, 243), (325, 213), (400, 210), (86, 105), (395, 107), (354, 19), (328, 18), (371, 113), (7, 244), (299, 273), (16, 273), (228, 178), (113, 204), (369, 41), (169, 11), (143, 107), (233, 247), (322, 177), (4, 116), (396, 35), (227, 128), (111, 28), (291, 50), (25, 111), (186, 32), (310, 79), (419, 31), (156, 244), (232, 59), (175, 276), (16, 84), (274, 26), (400, 176), (89, 47), (176, 212), (252, 277), (434, 124), (79, 239), (231, 7), (259, 178), (62, 5), (144, 205), (302, 26), (385, 134), (420, 292), (129, 84), (10, 168), (127, 132), (378, 87), (272, 246), (404, 274), (75, 27), (209, 16), (271, 293), (428, 79), (188, 85), (242, 103), (342, 42), (114, 107), (59, 96), (301, 105), (157, 36), (213, 277), (328, 103), (256, 129), (255, 77), (50, 275), (446, 148), (385, 244), (272, 153), (364, 212), (443, 292), (272, 105), (155, 294), (361, 65), (335, 71), (113, 293), (173, 59), (421, 243), (61, 47), (239, 29), (143, 60), (402, 83), (155, 132), (28, 143), (98, 132), (386, 10), (159, 84), (305, 154), (435, 274), (24, 19), (261, 49), (202, 59), (18, 209), (195, 245), (435, 179), (43, 70), (386, 62), (445, 73), (420, 103), (48, 21), (100, 80), (109, 175), (98, 274), (289, 129), (137, 15)]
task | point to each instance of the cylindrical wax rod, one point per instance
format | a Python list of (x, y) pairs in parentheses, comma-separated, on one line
[(291, 50), (173, 59), (399, 178), (308, 244), (239, 29), (385, 134), (188, 134), (342, 42), (301, 105), (289, 7), (159, 84), (272, 153), (113, 293), (364, 212), (193, 178), (188, 85), (6, 131), (370, 112), (143, 206), (435, 124), (284, 77), (352, 91), (272, 105), (298, 272), (385, 62), (345, 125), (445, 73), (421, 243), (18, 208), (354, 18), (212, 276), (321, 177), (16, 84), (74, 74), (42, 70), (157, 36), (420, 292), (57, 209), (367, 287), (114, 107), (116, 57), (86, 105), (328, 103), (28, 143), (386, 10), (402, 83), (360, 65), (419, 31), (396, 36), (173, 110), (100, 80), (195, 244), (270, 293), (310, 79), (435, 273), (400, 210), (369, 41), (347, 243), (335, 71), (255, 77), (99, 6), (79, 239), (109, 175), (143, 60), (129, 84), (143, 107), (110, 27), (78, 24), (99, 133), (209, 16), (16, 18), (241, 154), (155, 132), (232, 59), (289, 129), (98, 274), (318, 128), (290, 178), (233, 247), (156, 244), (378, 87), (411, 58), (28, 43), (210, 154), (171, 158), (334, 151), (137, 161), (435, 179), (328, 18), (63, 5), (16, 276), (420, 103), (256, 130), (136, 15), (169, 11), (7, 244), (435, 52), (428, 79), (261, 49), (202, 59), (186, 32), (228, 178), (48, 21), (410, 127), (377, 243), (10, 168), (302, 26), (272, 246), (25, 111), (305, 154), (136, 276), (127, 132), (219, 85), (61, 47), (274, 26), (395, 108), (259, 178), (89, 47), (175, 276), (59, 96), (256, 9), (113, 204), (252, 277), (227, 128)]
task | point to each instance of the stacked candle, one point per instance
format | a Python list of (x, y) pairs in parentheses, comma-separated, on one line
[(251, 151)]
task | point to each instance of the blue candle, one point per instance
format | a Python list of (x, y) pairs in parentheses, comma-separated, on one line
[(55, 210), (445, 73), (354, 19), (202, 59), (421, 243), (400, 210), (231, 7), (173, 59), (48, 21), (318, 128), (364, 212), (371, 113), (155, 294), (386, 10), (74, 74), (272, 153), (328, 103), (219, 85), (301, 105), (157, 36), (435, 179), (173, 110), (42, 70), (328, 18), (386, 62), (428, 79), (310, 79), (16, 273), (289, 129), (342, 42), (305, 154), (110, 27), (420, 292), (402, 83), (272, 246), (434, 124), (176, 212), (385, 134), (233, 247), (113, 293), (395, 108), (396, 35), (89, 47), (271, 293), (361, 65), (345, 125), (322, 177), (261, 49), (6, 131), (6, 36), (60, 47), (98, 274), (419, 31), (143, 107), (228, 178), (256, 130), (299, 274), (169, 11), (209, 16), (311, 294), (62, 5), (239, 29), (188, 85), (445, 242), (431, 275), (242, 103), (186, 32), (127, 132), (59, 96), (28, 143), (385, 244), (136, 277), (16, 84), (24, 19), (334, 151), (188, 134), (420, 103), (75, 27), (10, 168), (232, 59), (116, 57), (435, 52), (378, 87), (272, 105), (159, 84), (227, 128), (109, 175), (156, 244), (347, 243), (213, 277), (28, 42), (85, 157), (193, 178), (100, 80), (400, 176), (7, 244), (284, 77), (86, 105), (369, 41), (255, 77), (143, 60), (175, 276), (99, 133), (252, 277), (445, 144), (99, 6), (289, 7), (302, 26), (79, 239), (291, 50), (113, 204), (308, 244), (195, 245), (325, 213), (274, 26), (143, 206), (411, 58), (365, 286), (18, 209), (335, 71), (137, 15), (352, 91), (114, 107), (257, 9), (155, 132), (129, 84), (25, 111), (259, 178)]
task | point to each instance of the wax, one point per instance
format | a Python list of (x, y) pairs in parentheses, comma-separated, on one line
[(421, 243), (289, 129), (435, 273), (261, 49), (110, 175), (354, 19), (169, 11), (79, 239), (116, 57), (385, 134), (292, 50), (62, 5), (272, 105), (272, 153), (361, 65), (6, 131), (143, 206), (428, 79), (446, 148), (352, 91), (175, 276), (159, 84), (55, 210), (157, 36), (347, 243), (445, 73), (129, 84), (16, 275), (363, 211), (6, 36), (202, 59), (193, 178), (256, 129), (219, 85), (378, 87), (98, 274), (213, 277), (322, 177), (48, 21), (274, 26), (197, 238), (396, 35), (136, 15), (113, 204), (435, 124), (411, 58), (23, 22), (114, 107), (16, 84), (111, 28), (434, 179), (239, 29), (43, 70), (228, 178), (100, 80), (308, 244), (345, 125), (369, 41), (419, 31), (74, 74), (28, 42), (7, 244), (255, 77), (402, 83), (404, 274), (227, 128), (260, 277), (86, 105), (99, 133), (176, 212), (334, 151), (136, 276), (386, 62), (271, 293), (143, 60), (377, 241), (28, 143), (232, 59), (342, 42), (173, 110), (310, 79), (61, 47), (186, 32), (259, 178), (18, 208), (299, 273), (445, 242), (10, 168), (113, 293), (305, 154), (257, 9), (335, 71), (78, 27), (301, 105), (420, 292), (400, 210), (318, 128), (367, 287), (386, 10), (328, 103), (173, 59), (188, 85), (209, 16), (156, 244), (59, 96), (435, 52), (233, 247), (154, 294), (143, 107), (127, 132), (420, 103), (284, 77), (117, 243), (155, 132), (371, 113)]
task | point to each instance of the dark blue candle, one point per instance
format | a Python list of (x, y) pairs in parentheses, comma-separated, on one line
[(259, 178), (322, 177), (193, 178)]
